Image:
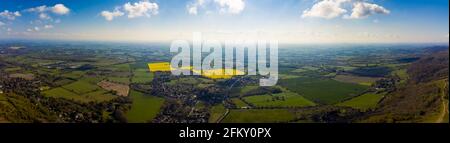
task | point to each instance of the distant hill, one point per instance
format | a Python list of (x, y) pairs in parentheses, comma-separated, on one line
[(436, 49), (424, 98), (430, 68)]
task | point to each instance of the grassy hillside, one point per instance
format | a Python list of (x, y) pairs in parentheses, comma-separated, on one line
[(423, 99), (19, 109)]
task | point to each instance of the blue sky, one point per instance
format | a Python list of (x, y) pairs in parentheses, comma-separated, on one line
[(289, 21)]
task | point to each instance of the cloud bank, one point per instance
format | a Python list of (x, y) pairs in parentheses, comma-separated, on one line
[(109, 16), (10, 15), (224, 6), (329, 9), (133, 10), (364, 10)]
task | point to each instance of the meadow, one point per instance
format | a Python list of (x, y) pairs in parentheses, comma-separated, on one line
[(95, 96), (239, 103), (324, 91), (247, 89), (364, 102), (81, 87), (284, 99), (141, 76), (121, 67), (216, 112), (121, 80), (368, 81), (74, 74), (144, 107)]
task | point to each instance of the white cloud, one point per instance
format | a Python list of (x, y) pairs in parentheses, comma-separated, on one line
[(60, 9), (1, 23), (193, 7), (141, 8), (44, 16), (132, 10), (36, 29), (48, 26), (193, 10), (9, 29), (327, 9), (109, 16), (38, 9), (45, 13), (224, 6), (231, 6), (330, 9), (10, 15), (364, 10)]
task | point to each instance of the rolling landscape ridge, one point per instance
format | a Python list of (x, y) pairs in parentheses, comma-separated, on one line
[(105, 85)]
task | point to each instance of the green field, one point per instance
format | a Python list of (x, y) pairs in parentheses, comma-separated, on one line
[(121, 80), (92, 80), (285, 99), (142, 76), (121, 67), (324, 91), (99, 96), (144, 107), (310, 68), (81, 87), (96, 96), (259, 116), (299, 70), (346, 68), (216, 112), (188, 81), (74, 74), (367, 81), (60, 93), (239, 103), (287, 76), (247, 89), (12, 69), (363, 102)]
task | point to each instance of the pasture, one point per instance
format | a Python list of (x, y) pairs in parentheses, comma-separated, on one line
[(144, 107), (121, 80), (363, 102), (284, 99), (368, 81), (324, 91), (81, 87), (142, 76), (96, 96), (216, 112), (239, 103)]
